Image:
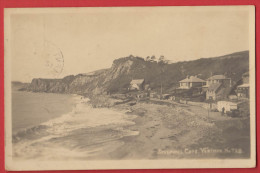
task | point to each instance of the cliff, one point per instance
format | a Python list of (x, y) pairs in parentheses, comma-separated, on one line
[(123, 70)]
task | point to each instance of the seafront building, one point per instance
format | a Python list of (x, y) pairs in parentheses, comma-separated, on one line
[(217, 87), (191, 82), (243, 90), (136, 84)]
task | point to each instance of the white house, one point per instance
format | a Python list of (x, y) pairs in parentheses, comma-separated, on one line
[(136, 84), (226, 106), (191, 81)]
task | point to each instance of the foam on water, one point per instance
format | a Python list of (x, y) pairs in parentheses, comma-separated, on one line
[(38, 142)]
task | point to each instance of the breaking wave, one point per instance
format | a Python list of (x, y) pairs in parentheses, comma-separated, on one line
[(80, 133)]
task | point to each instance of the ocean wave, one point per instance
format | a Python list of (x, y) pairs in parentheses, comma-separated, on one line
[(69, 129), (30, 133)]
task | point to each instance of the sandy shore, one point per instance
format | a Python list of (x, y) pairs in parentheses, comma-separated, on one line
[(180, 131)]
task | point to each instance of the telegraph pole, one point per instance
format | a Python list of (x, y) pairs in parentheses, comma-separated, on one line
[(208, 112), (210, 104), (161, 89)]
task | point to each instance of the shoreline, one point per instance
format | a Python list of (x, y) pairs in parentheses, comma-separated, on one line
[(165, 131)]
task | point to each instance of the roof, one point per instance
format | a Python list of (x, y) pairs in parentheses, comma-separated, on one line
[(245, 85), (214, 87), (217, 77), (192, 79), (246, 74), (137, 81)]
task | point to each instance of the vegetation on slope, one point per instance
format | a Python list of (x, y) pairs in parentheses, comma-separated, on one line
[(155, 73)]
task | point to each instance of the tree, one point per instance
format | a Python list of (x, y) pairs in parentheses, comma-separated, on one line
[(131, 56), (148, 58), (153, 58), (162, 59)]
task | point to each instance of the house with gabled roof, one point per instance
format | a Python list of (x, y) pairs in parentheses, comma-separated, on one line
[(218, 86), (212, 91), (218, 79), (191, 82), (243, 90), (137, 84)]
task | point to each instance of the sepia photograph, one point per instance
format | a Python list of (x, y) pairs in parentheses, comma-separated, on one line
[(129, 87)]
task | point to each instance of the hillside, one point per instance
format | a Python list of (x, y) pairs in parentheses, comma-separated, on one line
[(123, 70)]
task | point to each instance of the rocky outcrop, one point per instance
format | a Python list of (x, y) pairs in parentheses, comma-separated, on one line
[(48, 85)]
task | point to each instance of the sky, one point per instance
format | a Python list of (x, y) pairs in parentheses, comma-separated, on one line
[(53, 43)]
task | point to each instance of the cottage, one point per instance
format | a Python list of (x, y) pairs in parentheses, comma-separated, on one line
[(217, 87), (225, 106), (190, 82), (243, 91), (217, 91), (136, 84), (218, 79), (212, 91)]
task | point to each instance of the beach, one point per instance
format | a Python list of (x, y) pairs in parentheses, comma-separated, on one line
[(184, 131), (105, 128), (170, 130)]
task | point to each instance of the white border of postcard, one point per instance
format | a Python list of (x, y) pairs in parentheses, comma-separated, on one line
[(124, 164)]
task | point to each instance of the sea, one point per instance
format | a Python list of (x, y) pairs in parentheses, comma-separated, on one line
[(49, 126)]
